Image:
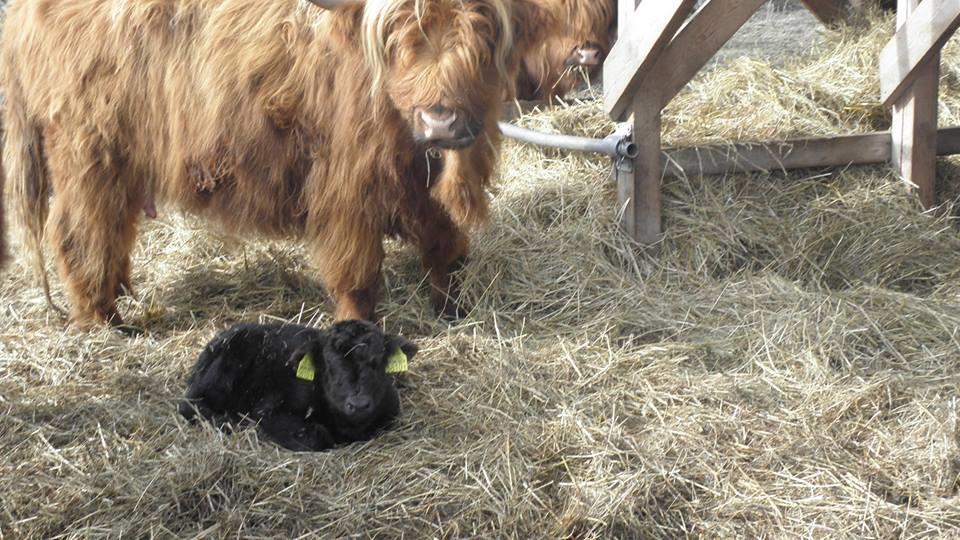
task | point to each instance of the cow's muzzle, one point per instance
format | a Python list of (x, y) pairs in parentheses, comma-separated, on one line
[(587, 55), (444, 127)]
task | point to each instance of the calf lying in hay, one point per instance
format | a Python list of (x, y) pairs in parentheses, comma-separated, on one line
[(309, 389), (276, 118)]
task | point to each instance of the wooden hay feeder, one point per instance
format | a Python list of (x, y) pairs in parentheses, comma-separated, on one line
[(660, 49)]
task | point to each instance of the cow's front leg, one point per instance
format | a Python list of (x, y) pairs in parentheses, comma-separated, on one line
[(93, 222), (443, 249), (462, 186), (356, 303), (348, 251)]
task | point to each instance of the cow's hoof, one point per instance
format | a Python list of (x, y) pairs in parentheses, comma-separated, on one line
[(125, 290), (449, 310), (128, 330)]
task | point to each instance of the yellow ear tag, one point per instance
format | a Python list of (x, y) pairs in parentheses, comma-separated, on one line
[(306, 369), (397, 363)]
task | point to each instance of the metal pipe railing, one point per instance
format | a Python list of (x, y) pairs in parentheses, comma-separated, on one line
[(617, 145)]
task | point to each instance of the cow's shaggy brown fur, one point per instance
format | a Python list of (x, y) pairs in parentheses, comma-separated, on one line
[(545, 73), (274, 118), (3, 238)]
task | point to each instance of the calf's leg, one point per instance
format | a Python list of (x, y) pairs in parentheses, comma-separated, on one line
[(190, 408), (296, 433)]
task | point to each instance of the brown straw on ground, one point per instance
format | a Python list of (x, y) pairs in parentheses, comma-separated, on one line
[(785, 363)]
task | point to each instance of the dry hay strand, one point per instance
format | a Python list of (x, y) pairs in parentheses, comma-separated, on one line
[(782, 364)]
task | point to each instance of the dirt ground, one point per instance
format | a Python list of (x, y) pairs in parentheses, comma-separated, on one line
[(780, 30)]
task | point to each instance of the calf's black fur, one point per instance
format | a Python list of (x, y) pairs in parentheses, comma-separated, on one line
[(249, 374)]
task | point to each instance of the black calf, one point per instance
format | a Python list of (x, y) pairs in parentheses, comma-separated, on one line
[(309, 389)]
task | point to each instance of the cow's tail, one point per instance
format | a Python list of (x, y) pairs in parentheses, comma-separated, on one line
[(29, 185)]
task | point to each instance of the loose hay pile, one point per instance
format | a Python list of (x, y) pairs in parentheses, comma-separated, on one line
[(785, 364)]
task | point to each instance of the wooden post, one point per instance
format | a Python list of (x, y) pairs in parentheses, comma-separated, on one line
[(914, 131), (638, 180)]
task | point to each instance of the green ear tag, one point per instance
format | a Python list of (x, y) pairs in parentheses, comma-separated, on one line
[(397, 363), (306, 369)]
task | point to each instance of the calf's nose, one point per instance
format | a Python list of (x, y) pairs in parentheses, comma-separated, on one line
[(357, 404)]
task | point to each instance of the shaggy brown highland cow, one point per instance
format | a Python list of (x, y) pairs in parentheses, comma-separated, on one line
[(580, 40), (277, 118)]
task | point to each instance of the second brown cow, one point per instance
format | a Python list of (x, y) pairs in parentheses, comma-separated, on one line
[(577, 46)]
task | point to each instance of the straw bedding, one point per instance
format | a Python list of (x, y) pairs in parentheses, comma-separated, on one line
[(783, 364)]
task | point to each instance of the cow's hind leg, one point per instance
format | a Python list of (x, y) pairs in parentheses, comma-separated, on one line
[(93, 224)]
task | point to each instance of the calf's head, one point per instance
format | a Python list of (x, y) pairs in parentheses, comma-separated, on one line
[(351, 362)]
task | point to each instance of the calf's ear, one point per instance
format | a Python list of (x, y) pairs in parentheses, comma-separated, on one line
[(306, 359), (395, 343)]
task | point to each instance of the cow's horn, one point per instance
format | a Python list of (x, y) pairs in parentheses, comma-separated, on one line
[(333, 4)]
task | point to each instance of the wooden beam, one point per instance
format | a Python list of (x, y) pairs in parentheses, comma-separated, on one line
[(625, 9), (695, 44), (634, 176), (914, 128), (914, 132), (827, 11), (791, 154), (841, 151), (643, 35), (921, 36), (638, 180), (948, 141)]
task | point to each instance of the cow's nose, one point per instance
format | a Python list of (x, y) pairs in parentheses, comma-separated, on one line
[(588, 55), (444, 127), (439, 122), (358, 404)]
